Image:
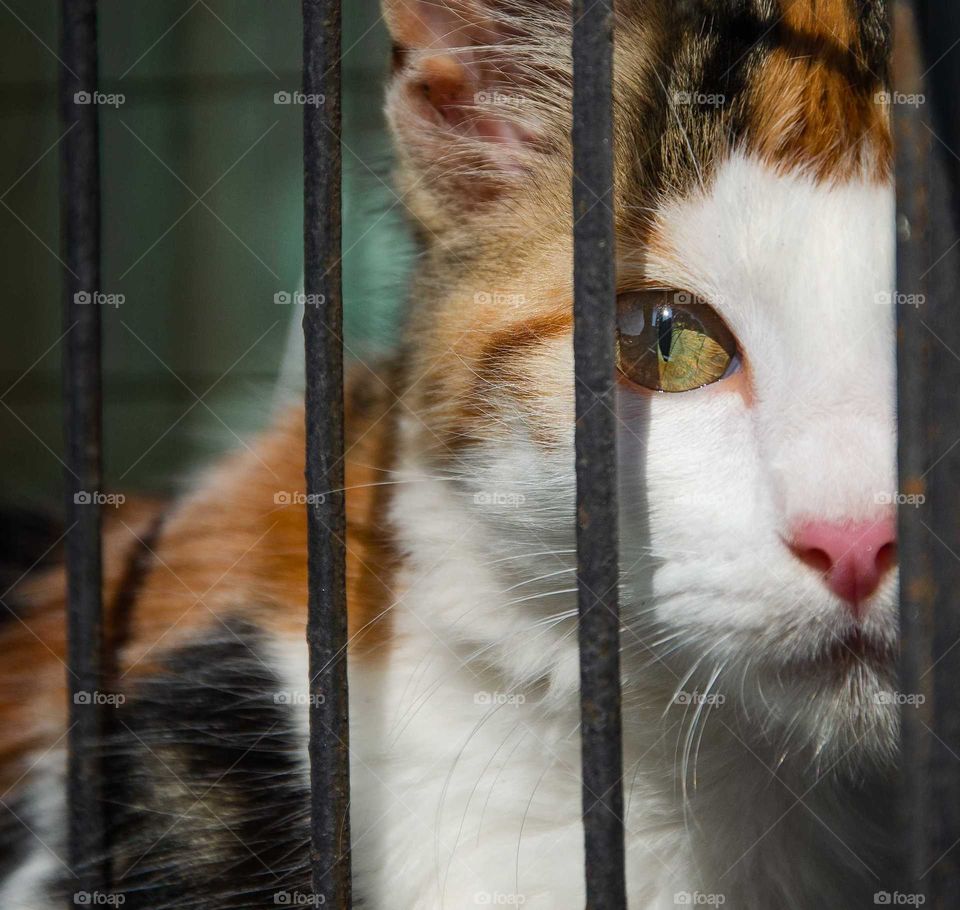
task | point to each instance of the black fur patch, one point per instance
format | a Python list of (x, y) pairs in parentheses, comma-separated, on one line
[(207, 788), (29, 540), (15, 836)]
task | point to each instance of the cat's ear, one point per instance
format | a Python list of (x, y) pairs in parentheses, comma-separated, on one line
[(466, 114)]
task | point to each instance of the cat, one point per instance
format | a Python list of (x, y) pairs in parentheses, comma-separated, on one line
[(756, 417)]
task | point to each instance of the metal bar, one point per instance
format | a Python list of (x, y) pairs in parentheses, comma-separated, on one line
[(594, 281), (80, 208), (326, 522), (927, 132)]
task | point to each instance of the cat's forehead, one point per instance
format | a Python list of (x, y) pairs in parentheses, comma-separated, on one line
[(800, 84)]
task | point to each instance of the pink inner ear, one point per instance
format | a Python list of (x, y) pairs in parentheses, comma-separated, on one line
[(453, 91), (447, 86), (502, 131), (453, 81)]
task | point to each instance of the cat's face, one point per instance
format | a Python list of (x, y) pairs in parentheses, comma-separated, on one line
[(756, 392), (731, 486)]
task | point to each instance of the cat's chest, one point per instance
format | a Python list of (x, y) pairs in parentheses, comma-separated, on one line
[(465, 794)]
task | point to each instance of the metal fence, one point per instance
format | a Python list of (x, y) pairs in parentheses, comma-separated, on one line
[(929, 377), (80, 165), (928, 264)]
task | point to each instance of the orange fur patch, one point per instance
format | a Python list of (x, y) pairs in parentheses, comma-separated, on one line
[(498, 367), (815, 100), (237, 547), (33, 672)]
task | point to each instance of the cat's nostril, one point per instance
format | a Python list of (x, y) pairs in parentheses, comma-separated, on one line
[(817, 559), (852, 557), (887, 557)]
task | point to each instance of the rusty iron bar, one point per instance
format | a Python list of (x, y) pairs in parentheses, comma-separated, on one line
[(80, 232), (926, 114), (594, 280), (326, 521)]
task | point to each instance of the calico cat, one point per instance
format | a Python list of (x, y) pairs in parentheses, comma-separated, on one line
[(754, 210)]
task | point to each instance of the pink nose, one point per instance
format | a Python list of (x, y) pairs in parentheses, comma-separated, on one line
[(853, 557)]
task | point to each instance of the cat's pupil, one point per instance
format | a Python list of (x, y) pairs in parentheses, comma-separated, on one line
[(663, 320)]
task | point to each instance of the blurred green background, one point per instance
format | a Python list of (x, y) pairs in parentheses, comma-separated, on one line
[(194, 355)]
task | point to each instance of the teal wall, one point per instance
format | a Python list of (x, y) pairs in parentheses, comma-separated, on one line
[(199, 81)]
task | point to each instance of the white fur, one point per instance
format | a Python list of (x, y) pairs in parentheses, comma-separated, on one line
[(43, 816)]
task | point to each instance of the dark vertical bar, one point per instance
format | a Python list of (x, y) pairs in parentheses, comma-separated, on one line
[(326, 523), (927, 63), (80, 207), (594, 282)]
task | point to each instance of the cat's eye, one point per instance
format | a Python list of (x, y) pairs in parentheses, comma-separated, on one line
[(670, 341)]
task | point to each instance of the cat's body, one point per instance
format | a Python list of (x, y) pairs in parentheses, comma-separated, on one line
[(757, 742)]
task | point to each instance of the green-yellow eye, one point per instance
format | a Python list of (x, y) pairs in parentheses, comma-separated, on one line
[(670, 342)]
